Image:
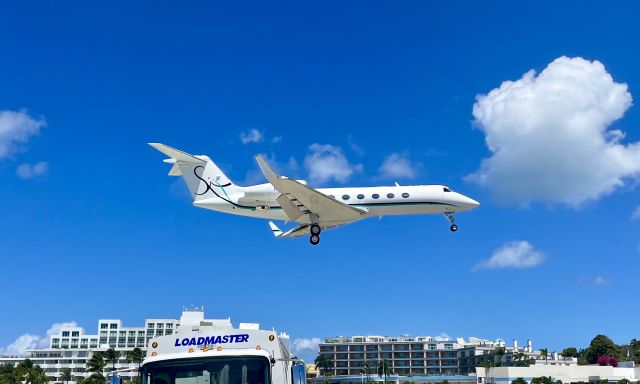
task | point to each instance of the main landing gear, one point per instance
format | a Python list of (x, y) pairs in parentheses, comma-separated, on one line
[(315, 234), (452, 220)]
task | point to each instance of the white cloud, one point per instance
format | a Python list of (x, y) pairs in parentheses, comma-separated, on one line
[(398, 165), (252, 136), (30, 341), (635, 215), (513, 254), (442, 337), (550, 135), (326, 162), (16, 128), (276, 139), (29, 171), (303, 345)]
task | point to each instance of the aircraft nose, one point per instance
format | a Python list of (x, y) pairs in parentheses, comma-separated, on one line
[(468, 203)]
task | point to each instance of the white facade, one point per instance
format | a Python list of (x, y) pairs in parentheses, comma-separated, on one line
[(565, 373), (72, 346)]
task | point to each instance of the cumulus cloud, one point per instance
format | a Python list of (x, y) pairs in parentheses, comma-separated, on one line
[(305, 345), (29, 341), (16, 128), (29, 171), (550, 135), (326, 162), (398, 166), (252, 136), (513, 254), (635, 215)]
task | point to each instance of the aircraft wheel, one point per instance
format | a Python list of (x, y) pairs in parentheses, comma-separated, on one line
[(314, 239), (315, 229), (453, 228)]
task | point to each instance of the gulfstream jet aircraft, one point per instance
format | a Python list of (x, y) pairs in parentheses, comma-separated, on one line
[(315, 210)]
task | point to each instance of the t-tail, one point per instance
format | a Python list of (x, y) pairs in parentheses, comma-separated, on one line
[(204, 178)]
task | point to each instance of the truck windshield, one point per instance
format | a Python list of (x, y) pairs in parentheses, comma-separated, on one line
[(213, 370)]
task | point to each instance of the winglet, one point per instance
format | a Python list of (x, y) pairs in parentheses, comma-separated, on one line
[(177, 154), (266, 169), (274, 228)]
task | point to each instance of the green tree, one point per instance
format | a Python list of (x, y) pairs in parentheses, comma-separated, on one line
[(384, 369), (542, 380), (65, 375), (96, 378), (601, 345), (112, 356), (569, 352), (135, 356), (325, 364), (499, 355), (519, 380), (96, 364), (37, 375), (634, 347), (544, 352), (624, 381)]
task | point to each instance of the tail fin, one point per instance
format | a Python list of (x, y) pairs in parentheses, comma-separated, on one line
[(203, 177)]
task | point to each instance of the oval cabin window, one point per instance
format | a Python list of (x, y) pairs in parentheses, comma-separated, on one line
[(390, 195), (360, 196), (405, 195), (375, 195), (345, 197)]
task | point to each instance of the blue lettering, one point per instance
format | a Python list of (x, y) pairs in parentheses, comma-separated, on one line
[(177, 342), (185, 341), (200, 340), (217, 340), (225, 339), (192, 341)]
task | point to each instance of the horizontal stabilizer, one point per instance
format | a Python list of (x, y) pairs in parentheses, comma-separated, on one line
[(177, 154)]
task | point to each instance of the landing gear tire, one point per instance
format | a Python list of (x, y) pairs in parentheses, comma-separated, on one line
[(315, 229), (314, 239), (453, 227)]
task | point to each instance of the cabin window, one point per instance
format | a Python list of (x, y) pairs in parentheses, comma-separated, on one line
[(375, 195), (345, 197), (360, 196), (405, 195), (390, 195), (446, 189), (332, 196)]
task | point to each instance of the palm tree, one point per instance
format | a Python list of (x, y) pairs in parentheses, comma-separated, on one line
[(499, 353), (365, 370), (325, 363), (136, 356), (112, 356), (65, 375), (384, 369), (96, 364), (518, 356), (544, 352), (37, 376)]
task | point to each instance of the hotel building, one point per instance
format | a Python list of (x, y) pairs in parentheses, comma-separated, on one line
[(72, 346)]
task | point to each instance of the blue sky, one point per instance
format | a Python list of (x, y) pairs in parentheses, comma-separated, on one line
[(93, 228)]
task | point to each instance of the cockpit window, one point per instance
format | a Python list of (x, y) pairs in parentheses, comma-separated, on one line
[(446, 189)]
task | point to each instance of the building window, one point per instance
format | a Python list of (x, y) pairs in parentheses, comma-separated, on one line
[(405, 195), (160, 325), (65, 333), (113, 326), (345, 197), (150, 325), (169, 325), (75, 334), (168, 332), (390, 195), (112, 334), (375, 196), (104, 325)]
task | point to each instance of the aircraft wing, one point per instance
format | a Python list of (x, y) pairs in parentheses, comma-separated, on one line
[(298, 200)]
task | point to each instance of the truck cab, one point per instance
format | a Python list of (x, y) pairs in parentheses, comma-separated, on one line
[(229, 356)]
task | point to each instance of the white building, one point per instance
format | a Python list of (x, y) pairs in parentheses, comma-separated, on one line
[(72, 346), (565, 373)]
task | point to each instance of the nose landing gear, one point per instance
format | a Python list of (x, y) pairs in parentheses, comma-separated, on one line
[(452, 220), (315, 234)]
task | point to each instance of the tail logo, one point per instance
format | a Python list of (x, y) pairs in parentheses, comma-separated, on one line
[(210, 184)]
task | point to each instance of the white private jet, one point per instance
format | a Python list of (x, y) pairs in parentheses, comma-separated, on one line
[(314, 210)]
